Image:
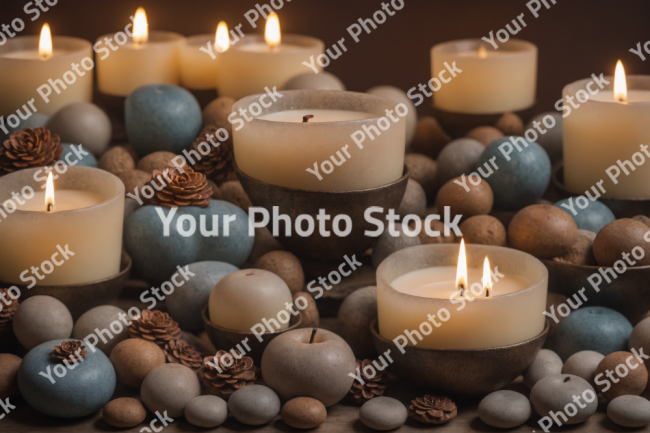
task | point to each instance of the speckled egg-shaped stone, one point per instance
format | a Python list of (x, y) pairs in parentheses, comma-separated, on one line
[(264, 243), (156, 161), (485, 134), (414, 200), (82, 123), (116, 160), (356, 313), (387, 244), (546, 363), (399, 96), (640, 336), (169, 388), (599, 329), (161, 117), (554, 393), (124, 412), (40, 319), (134, 181), (216, 113), (423, 170), (630, 373), (429, 137), (207, 411), (383, 413), (76, 392), (457, 158), (644, 219), (510, 124), (104, 317), (254, 404), (583, 364), (519, 181), (618, 237), (593, 217), (465, 199), (304, 413), (134, 358), (504, 409), (186, 301), (543, 231), (321, 81), (77, 155), (485, 230), (285, 265), (9, 365), (629, 411), (234, 193), (581, 252), (553, 138)]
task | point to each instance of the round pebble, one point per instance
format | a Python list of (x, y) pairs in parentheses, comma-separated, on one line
[(9, 365), (553, 138), (322, 81), (82, 161), (640, 336), (116, 160), (510, 124), (40, 319), (581, 252), (414, 200), (429, 137), (593, 217), (399, 97), (546, 363), (264, 243), (485, 230), (556, 394), (82, 123), (387, 244), (156, 161), (630, 373), (466, 199), (583, 364), (304, 412), (618, 237), (504, 409), (254, 404), (124, 412), (216, 113), (485, 134), (104, 317), (457, 158), (134, 181), (436, 226), (543, 231), (286, 266), (644, 219), (356, 313), (383, 413), (134, 358), (207, 411), (233, 192), (169, 388), (310, 315), (629, 411), (423, 170)]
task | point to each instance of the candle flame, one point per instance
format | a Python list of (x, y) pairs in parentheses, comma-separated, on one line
[(487, 277), (49, 193), (221, 41), (45, 43), (140, 27), (272, 32), (461, 271), (620, 85), (482, 52)]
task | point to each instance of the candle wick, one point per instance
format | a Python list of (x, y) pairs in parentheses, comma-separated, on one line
[(313, 333), (462, 290), (49, 207), (306, 118), (487, 293)]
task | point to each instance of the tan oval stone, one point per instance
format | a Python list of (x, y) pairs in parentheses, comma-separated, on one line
[(134, 358), (304, 412), (124, 412)]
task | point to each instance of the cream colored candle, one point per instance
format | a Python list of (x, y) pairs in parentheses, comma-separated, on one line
[(23, 70), (604, 130), (277, 147), (492, 80), (197, 69), (86, 221), (416, 283)]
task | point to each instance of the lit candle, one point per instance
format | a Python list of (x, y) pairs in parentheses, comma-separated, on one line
[(608, 127), (85, 213), (28, 62), (492, 81), (147, 57), (198, 69), (254, 63)]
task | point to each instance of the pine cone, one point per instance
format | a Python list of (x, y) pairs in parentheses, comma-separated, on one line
[(432, 409), (182, 352), (7, 311), (29, 148), (180, 188), (217, 164), (241, 372), (70, 350), (373, 386), (155, 326)]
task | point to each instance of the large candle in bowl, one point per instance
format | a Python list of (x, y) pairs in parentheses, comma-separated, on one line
[(281, 146), (27, 63), (77, 240), (608, 127), (492, 80), (417, 291), (146, 57)]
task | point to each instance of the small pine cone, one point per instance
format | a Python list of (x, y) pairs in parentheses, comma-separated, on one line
[(182, 352), (7, 311), (174, 187), (69, 351), (155, 326), (432, 409), (373, 387), (29, 148), (241, 372), (219, 163)]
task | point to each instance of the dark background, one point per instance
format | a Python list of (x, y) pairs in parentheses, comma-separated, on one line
[(575, 37)]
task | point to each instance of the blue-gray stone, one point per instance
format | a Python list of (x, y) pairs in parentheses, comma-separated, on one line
[(155, 256), (84, 160), (593, 218), (600, 329), (161, 117), (36, 120), (186, 302), (82, 390), (520, 181)]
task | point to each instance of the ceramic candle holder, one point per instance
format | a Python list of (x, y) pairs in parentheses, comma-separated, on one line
[(621, 207)]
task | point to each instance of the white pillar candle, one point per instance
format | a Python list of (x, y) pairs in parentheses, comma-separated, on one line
[(197, 69), (492, 80), (277, 147)]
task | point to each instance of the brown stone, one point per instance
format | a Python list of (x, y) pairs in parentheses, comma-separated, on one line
[(618, 237), (620, 362), (510, 124), (644, 219), (429, 137), (310, 315), (134, 358), (485, 134), (304, 413), (116, 160), (543, 231), (423, 170), (439, 226), (156, 161), (216, 192), (232, 192), (124, 412), (286, 266), (475, 200), (264, 243), (581, 253), (216, 113), (133, 179), (9, 365), (485, 230)]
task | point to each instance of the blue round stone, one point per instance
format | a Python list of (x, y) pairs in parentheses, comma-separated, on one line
[(599, 329), (83, 160), (186, 302), (155, 255), (161, 117), (593, 218), (36, 120), (82, 390), (519, 181)]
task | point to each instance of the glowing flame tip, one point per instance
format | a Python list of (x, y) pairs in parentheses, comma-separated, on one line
[(272, 34), (140, 27), (49, 193), (222, 41), (620, 84), (45, 43), (461, 271)]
